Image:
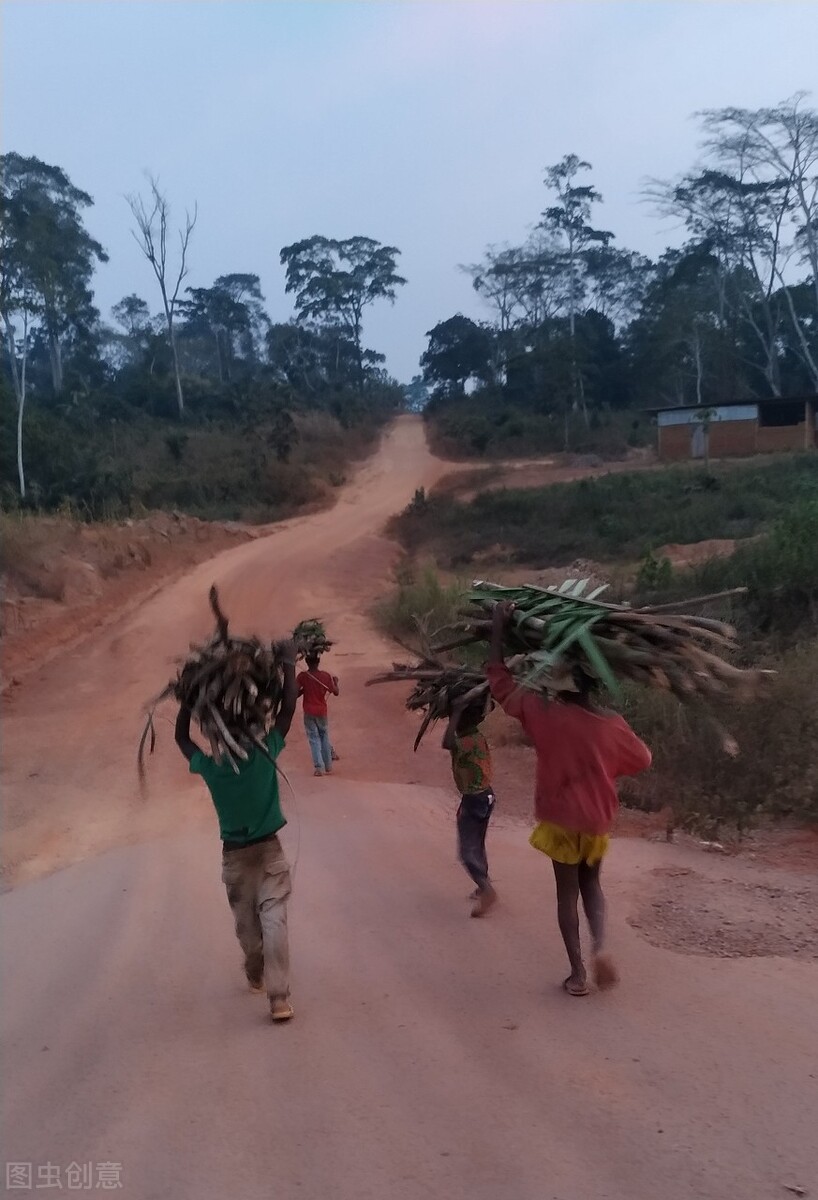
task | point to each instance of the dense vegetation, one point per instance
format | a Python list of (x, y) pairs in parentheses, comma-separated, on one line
[(581, 329), (208, 406), (614, 517)]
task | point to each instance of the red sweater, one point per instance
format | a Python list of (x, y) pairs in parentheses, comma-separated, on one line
[(580, 755), (315, 686)]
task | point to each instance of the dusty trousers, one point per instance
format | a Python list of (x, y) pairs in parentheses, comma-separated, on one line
[(257, 879), (473, 818)]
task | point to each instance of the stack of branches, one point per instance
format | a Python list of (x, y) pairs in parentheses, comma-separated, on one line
[(233, 687), (558, 629), (555, 630), (310, 637), (438, 687)]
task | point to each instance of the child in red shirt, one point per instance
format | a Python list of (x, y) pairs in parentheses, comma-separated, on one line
[(315, 685), (581, 752)]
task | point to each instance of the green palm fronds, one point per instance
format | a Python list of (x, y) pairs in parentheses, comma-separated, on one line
[(557, 628), (310, 637)]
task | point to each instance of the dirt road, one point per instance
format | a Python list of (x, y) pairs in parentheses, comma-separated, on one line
[(430, 1055)]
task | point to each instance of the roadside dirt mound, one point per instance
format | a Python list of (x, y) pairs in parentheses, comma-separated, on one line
[(697, 553), (62, 578)]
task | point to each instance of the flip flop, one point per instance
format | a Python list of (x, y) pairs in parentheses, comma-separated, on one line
[(575, 989)]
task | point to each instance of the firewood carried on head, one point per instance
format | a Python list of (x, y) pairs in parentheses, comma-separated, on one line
[(233, 687), (310, 637), (558, 633)]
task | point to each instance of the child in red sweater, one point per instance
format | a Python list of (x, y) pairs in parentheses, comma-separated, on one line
[(315, 685), (581, 752)]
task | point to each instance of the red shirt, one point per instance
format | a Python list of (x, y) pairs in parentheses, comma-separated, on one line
[(580, 755), (315, 686)]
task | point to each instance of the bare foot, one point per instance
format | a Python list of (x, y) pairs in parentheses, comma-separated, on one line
[(576, 985), (605, 972), (484, 901)]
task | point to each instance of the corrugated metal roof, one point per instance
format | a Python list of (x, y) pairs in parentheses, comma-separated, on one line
[(812, 397)]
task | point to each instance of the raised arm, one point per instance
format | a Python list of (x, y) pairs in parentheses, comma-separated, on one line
[(450, 736), (504, 688), (183, 739), (288, 700), (500, 618)]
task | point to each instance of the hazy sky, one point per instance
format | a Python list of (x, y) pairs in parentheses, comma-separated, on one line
[(422, 124)]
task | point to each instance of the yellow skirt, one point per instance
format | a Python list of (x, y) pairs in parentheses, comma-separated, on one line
[(568, 846)]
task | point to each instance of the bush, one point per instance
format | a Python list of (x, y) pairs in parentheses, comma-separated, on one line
[(240, 452), (775, 775), (485, 425), (418, 593)]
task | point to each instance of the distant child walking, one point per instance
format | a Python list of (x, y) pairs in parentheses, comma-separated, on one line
[(254, 869), (581, 752), (471, 768), (315, 685)]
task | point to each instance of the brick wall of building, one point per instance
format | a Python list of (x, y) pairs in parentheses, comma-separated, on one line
[(739, 438), (772, 438), (674, 442), (728, 438)]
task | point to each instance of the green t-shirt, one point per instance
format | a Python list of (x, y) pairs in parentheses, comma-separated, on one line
[(247, 804)]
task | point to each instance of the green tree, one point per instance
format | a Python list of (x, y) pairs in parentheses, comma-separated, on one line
[(231, 315), (753, 202), (459, 350), (335, 281), (48, 249), (568, 222)]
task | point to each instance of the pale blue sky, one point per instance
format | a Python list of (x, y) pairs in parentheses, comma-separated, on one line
[(423, 124)]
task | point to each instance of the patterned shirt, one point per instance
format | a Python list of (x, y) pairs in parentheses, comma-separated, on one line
[(471, 763)]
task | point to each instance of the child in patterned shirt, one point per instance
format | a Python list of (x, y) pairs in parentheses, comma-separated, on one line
[(471, 768)]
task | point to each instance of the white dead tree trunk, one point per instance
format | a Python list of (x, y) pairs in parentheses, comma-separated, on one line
[(151, 236), (18, 379)]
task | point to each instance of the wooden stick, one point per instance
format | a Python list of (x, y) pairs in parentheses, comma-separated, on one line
[(692, 602)]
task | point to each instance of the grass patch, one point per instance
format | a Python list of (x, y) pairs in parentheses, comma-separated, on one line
[(622, 516)]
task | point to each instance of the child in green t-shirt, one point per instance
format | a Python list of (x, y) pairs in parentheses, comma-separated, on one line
[(254, 869)]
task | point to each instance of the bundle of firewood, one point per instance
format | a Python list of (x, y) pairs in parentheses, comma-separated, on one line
[(233, 687), (437, 689), (556, 629), (310, 637), (552, 631)]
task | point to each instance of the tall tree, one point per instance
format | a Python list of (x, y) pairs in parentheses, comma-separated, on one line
[(50, 248), (459, 350), (18, 302), (569, 223), (151, 235), (335, 281), (230, 313), (772, 156), (753, 203)]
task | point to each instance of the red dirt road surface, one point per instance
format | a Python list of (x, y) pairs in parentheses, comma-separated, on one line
[(430, 1055)]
